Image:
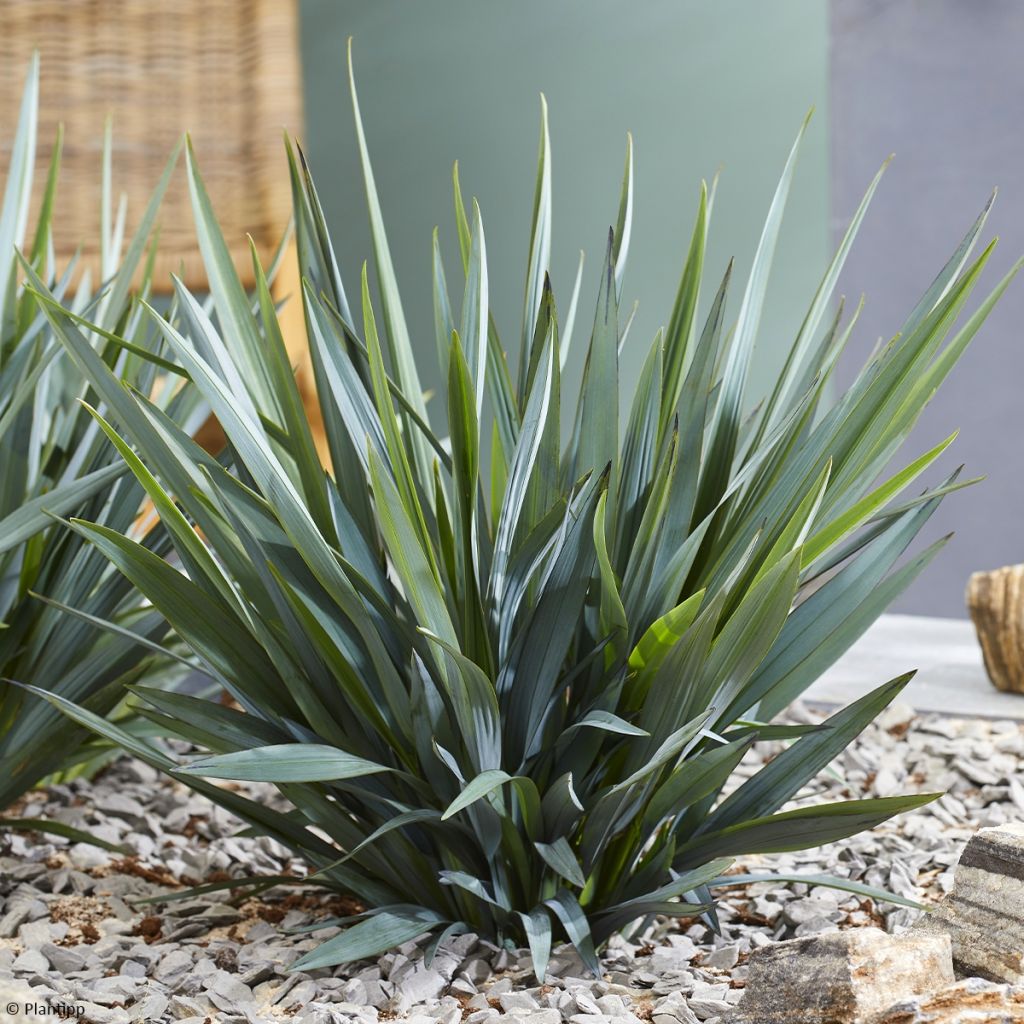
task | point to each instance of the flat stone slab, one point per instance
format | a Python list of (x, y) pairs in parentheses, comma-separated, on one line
[(984, 914), (950, 680), (847, 977), (974, 1001)]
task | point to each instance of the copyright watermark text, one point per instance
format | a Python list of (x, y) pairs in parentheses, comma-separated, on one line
[(34, 1010)]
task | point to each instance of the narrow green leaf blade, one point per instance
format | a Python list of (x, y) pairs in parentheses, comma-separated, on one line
[(284, 762)]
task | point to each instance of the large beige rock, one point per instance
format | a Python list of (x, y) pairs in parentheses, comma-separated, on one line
[(974, 1001), (847, 977), (984, 914)]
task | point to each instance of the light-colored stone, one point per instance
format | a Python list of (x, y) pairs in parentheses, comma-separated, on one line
[(226, 991), (974, 1001), (517, 1001), (62, 959), (85, 855), (708, 1000), (14, 918), (422, 985), (841, 977), (101, 1014), (548, 1016), (31, 962), (173, 967), (984, 914), (724, 958)]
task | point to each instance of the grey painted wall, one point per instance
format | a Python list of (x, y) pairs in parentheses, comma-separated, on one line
[(941, 84), (700, 85)]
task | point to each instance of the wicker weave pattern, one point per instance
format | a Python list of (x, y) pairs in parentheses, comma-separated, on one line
[(225, 70)]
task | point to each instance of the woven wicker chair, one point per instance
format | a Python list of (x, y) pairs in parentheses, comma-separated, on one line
[(227, 71)]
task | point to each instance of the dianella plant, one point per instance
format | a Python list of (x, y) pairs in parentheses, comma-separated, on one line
[(55, 461), (504, 657)]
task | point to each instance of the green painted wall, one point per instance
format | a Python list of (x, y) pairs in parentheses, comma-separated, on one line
[(702, 86)]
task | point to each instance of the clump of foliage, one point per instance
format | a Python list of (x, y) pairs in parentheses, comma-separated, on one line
[(503, 660), (55, 461)]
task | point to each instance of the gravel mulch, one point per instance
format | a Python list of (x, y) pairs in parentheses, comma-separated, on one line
[(73, 933)]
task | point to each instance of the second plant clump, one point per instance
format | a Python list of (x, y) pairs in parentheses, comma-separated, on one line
[(55, 460), (504, 675)]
